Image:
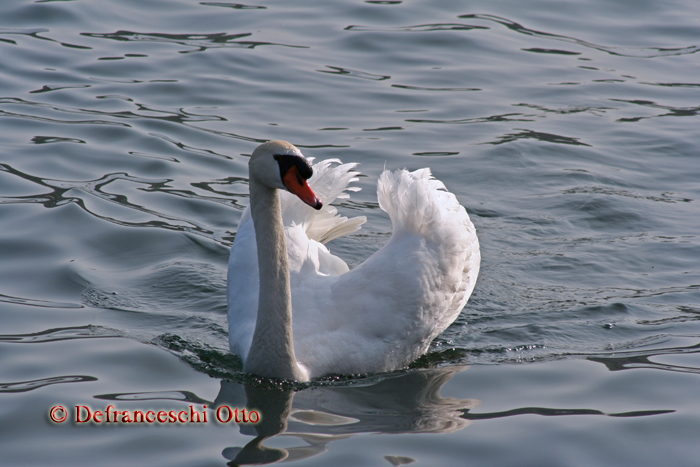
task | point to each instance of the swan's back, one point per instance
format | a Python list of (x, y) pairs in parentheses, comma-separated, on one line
[(384, 313)]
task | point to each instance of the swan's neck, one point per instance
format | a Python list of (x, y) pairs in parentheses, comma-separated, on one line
[(272, 350)]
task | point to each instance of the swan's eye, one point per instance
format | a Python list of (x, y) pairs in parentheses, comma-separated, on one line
[(287, 161)]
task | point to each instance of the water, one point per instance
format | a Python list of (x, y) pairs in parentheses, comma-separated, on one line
[(569, 130)]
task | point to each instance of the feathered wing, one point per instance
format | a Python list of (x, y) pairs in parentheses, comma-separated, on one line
[(329, 182), (384, 313)]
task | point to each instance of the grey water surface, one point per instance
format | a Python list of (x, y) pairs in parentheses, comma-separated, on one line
[(568, 129)]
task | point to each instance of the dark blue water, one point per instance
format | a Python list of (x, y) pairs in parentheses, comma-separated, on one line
[(569, 131)]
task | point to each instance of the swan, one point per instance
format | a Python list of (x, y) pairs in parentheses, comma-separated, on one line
[(296, 312)]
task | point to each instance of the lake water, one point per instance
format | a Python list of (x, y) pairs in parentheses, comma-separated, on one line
[(569, 131)]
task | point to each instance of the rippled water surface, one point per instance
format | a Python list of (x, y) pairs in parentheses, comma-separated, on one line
[(569, 131)]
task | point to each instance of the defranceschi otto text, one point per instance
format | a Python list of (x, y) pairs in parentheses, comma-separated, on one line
[(110, 415)]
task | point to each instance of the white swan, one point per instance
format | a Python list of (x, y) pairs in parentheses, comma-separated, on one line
[(297, 312)]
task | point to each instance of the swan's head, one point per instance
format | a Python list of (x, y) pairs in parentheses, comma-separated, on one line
[(281, 165)]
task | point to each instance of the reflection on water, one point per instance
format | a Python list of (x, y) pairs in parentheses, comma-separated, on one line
[(323, 412), (402, 403), (398, 404)]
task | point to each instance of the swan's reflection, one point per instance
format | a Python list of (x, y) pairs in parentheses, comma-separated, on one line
[(402, 403)]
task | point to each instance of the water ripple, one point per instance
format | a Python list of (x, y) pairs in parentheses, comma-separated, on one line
[(200, 42), (642, 359), (217, 363), (419, 28), (670, 110), (594, 110), (184, 396), (674, 85), (37, 303), (55, 139), (635, 52), (334, 70), (60, 334), (5, 113), (48, 88), (80, 192), (547, 412), (235, 6), (142, 112), (422, 88), (511, 117), (539, 50), (190, 149), (537, 135), (34, 33), (603, 190), (436, 153), (24, 386)]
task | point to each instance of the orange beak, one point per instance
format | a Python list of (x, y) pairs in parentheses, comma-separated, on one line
[(300, 187)]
